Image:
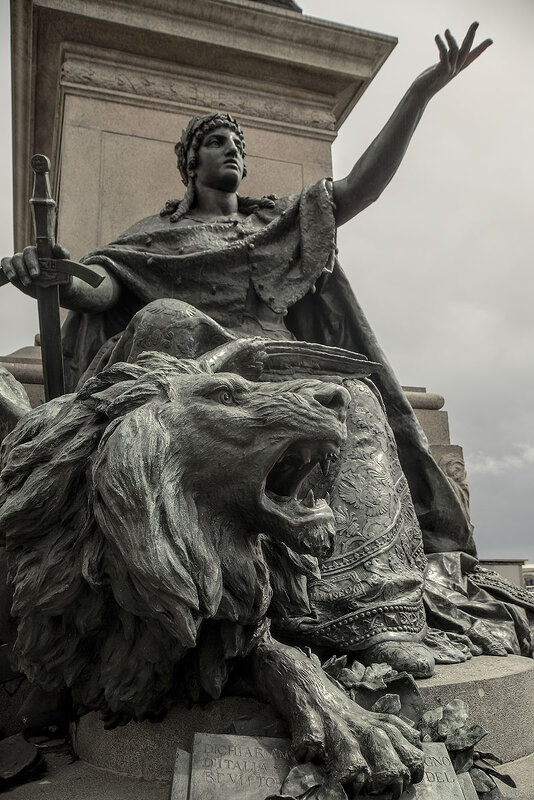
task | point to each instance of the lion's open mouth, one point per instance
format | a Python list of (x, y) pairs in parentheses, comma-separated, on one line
[(294, 515), (285, 479)]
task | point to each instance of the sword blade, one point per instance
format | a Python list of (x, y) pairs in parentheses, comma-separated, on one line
[(50, 330)]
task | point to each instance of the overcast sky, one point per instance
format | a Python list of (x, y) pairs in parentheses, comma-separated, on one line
[(442, 262)]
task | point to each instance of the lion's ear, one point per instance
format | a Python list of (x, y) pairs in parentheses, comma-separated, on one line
[(150, 374), (142, 391), (123, 387), (172, 571), (111, 376)]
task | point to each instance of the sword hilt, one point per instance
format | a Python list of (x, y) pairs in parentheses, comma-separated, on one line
[(53, 271), (44, 209), (60, 271)]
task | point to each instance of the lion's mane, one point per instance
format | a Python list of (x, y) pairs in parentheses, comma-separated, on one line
[(112, 571)]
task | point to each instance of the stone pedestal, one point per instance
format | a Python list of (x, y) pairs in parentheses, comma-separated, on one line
[(498, 691), (428, 408), (105, 88), (147, 750)]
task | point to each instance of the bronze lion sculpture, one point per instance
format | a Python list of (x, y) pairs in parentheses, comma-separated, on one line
[(148, 520)]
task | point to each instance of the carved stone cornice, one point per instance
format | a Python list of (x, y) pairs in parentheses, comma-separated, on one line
[(165, 85), (239, 26)]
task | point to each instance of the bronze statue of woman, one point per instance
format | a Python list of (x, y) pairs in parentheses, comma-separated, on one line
[(268, 268), (216, 269)]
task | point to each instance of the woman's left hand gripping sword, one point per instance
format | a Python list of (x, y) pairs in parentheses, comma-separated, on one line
[(53, 273)]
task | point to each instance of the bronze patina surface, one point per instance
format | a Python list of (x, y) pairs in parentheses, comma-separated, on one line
[(214, 471)]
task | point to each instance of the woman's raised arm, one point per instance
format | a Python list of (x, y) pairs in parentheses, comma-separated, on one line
[(374, 170)]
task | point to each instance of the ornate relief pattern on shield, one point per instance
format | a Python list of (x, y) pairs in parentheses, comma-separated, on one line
[(371, 587)]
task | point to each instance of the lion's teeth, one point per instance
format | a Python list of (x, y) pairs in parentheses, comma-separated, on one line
[(306, 455), (327, 498), (325, 466), (309, 500)]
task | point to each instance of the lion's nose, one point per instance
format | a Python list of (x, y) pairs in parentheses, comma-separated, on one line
[(333, 397)]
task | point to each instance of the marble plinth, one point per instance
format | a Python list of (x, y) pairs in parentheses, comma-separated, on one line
[(84, 782), (147, 749), (500, 695), (499, 692)]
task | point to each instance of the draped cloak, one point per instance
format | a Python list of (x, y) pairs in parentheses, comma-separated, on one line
[(287, 254)]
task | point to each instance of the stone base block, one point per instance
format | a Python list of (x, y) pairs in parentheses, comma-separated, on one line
[(84, 782), (500, 695), (499, 692), (147, 750)]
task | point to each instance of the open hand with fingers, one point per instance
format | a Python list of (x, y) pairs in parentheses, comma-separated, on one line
[(374, 170), (452, 60)]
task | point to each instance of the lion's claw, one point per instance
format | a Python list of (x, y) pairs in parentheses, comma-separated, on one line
[(369, 751), (360, 749)]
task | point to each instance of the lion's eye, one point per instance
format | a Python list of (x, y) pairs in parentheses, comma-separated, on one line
[(225, 397)]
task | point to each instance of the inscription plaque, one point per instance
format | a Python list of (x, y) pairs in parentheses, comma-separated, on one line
[(227, 767), (440, 781), (180, 778)]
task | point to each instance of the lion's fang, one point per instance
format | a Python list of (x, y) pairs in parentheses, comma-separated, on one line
[(327, 498), (309, 500), (325, 466)]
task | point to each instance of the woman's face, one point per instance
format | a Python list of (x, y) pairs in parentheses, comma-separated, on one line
[(220, 160)]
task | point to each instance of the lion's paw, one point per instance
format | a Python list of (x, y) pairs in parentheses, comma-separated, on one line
[(363, 750)]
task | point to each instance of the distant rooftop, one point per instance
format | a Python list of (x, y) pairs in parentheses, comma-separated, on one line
[(290, 4)]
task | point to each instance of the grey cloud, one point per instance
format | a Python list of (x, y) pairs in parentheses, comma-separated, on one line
[(486, 463)]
